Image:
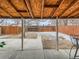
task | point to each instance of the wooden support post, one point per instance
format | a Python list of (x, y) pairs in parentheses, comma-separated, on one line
[(57, 34), (24, 22), (22, 38)]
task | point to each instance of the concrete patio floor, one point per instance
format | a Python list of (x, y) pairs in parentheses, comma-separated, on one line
[(36, 54)]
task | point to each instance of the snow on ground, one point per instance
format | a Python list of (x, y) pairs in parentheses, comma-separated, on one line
[(35, 44), (15, 44), (60, 36)]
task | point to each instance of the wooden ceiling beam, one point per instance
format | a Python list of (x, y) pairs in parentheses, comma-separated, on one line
[(21, 11), (53, 11), (54, 8), (4, 12), (5, 4), (21, 7), (42, 9), (51, 6), (76, 16), (51, 2), (26, 18), (29, 8), (38, 18), (74, 13), (73, 8), (15, 8), (36, 7), (48, 11), (62, 7), (19, 4), (59, 2)]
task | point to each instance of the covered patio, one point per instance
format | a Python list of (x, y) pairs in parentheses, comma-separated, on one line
[(39, 29)]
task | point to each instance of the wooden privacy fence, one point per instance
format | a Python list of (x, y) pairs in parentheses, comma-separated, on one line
[(10, 30), (63, 29), (69, 29)]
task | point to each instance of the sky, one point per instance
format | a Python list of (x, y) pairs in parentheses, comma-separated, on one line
[(34, 22), (10, 22)]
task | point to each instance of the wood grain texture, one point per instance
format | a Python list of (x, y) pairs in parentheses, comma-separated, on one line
[(19, 4), (39, 8), (74, 13), (62, 7), (36, 7), (8, 7), (71, 9), (50, 2), (3, 13)]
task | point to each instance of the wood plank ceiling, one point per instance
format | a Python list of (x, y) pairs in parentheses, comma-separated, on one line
[(39, 8)]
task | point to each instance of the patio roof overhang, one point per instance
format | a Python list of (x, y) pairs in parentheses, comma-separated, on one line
[(39, 9)]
